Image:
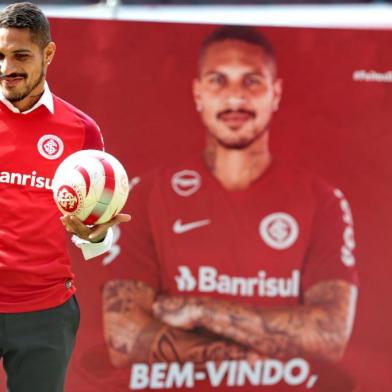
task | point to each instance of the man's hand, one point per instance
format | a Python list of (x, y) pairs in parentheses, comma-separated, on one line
[(178, 312), (94, 233)]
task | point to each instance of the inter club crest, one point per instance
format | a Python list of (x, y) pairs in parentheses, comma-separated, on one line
[(67, 199), (50, 146), (279, 230)]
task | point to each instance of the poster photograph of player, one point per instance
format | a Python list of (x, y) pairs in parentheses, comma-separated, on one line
[(235, 256), (258, 253)]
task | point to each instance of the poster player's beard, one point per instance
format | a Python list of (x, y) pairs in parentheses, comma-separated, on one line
[(239, 142), (244, 142)]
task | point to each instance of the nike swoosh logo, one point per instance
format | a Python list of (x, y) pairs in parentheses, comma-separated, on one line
[(179, 227)]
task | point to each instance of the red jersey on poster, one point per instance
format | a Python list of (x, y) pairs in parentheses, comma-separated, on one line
[(263, 246), (34, 265)]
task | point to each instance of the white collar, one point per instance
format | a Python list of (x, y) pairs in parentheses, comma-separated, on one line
[(46, 100)]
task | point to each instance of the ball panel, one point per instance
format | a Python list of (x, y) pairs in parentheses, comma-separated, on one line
[(86, 177)]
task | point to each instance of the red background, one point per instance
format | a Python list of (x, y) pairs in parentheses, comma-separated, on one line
[(135, 80)]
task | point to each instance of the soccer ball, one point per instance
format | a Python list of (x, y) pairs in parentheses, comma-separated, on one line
[(92, 185)]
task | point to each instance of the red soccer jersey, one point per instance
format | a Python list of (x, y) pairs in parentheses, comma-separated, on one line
[(262, 246), (34, 265)]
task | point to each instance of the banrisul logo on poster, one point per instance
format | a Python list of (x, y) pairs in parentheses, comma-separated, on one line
[(209, 280)]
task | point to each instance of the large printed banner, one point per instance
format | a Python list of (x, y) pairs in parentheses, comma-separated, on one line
[(225, 260)]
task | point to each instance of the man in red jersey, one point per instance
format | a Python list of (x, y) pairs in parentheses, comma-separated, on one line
[(235, 258), (39, 315)]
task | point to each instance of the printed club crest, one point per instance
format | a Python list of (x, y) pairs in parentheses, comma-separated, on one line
[(50, 146), (67, 199), (279, 230)]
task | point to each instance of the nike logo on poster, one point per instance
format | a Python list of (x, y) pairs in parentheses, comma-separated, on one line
[(180, 227)]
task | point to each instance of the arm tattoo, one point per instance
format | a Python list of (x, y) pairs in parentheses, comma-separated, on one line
[(133, 335), (198, 347), (125, 313), (320, 327)]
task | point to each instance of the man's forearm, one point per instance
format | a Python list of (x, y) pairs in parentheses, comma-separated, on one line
[(133, 335), (321, 327), (175, 345), (318, 328)]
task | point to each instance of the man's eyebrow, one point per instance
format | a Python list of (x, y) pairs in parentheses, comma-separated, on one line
[(256, 73), (212, 72), (21, 51), (261, 74)]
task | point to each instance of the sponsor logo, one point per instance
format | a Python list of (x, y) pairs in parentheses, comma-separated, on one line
[(185, 281), (50, 146), (179, 227), (209, 281), (133, 182), (67, 198), (31, 180), (186, 182), (268, 372), (279, 230), (372, 76), (347, 249)]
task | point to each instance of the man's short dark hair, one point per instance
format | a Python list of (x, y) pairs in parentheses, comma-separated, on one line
[(246, 34), (27, 16)]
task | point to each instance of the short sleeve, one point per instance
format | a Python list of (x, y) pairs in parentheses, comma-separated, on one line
[(93, 139), (138, 259), (331, 253)]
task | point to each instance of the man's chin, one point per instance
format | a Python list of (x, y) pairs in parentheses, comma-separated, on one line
[(12, 97), (235, 144)]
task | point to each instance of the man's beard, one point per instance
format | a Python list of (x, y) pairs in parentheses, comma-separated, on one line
[(237, 145), (19, 97), (242, 143)]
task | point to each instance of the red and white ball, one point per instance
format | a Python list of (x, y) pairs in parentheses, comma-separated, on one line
[(92, 185)]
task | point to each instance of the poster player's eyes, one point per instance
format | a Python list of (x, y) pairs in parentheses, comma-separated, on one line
[(253, 81), (216, 80)]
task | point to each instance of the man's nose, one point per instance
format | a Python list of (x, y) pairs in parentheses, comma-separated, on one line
[(235, 97), (6, 67), (235, 101)]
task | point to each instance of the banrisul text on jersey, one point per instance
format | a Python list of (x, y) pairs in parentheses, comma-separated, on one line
[(31, 180)]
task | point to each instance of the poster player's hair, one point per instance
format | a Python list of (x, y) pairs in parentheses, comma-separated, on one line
[(248, 34)]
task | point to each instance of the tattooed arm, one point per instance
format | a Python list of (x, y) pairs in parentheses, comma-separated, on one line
[(133, 334), (319, 328)]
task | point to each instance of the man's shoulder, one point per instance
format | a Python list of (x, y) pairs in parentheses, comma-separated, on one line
[(182, 178), (187, 170), (66, 108), (301, 173), (307, 181)]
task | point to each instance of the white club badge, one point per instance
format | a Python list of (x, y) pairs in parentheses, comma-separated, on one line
[(279, 230), (50, 147)]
